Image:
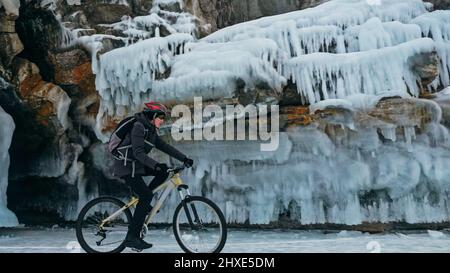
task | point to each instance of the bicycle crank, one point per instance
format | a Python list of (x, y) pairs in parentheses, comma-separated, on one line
[(144, 231)]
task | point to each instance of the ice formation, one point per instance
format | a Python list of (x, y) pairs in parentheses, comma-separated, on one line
[(436, 25), (341, 13), (349, 177), (211, 70), (322, 76), (356, 102), (344, 54), (7, 218), (303, 46), (123, 85), (147, 26), (374, 34)]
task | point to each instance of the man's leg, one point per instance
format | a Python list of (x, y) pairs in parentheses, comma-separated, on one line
[(160, 177), (143, 207)]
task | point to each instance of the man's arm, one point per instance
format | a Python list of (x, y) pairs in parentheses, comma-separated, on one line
[(138, 146), (169, 149)]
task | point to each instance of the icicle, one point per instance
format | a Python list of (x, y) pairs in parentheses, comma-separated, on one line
[(361, 72), (341, 13)]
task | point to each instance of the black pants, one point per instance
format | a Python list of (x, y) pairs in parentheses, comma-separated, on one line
[(145, 195)]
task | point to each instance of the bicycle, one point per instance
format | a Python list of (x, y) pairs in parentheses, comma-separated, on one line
[(198, 223)]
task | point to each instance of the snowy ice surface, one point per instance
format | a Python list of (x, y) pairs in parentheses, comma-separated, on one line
[(7, 218), (57, 240)]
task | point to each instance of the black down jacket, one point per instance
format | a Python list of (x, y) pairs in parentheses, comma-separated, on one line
[(141, 140)]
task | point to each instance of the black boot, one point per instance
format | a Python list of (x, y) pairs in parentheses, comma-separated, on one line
[(133, 241)]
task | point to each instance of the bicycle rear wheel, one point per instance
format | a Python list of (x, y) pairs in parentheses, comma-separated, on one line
[(107, 239), (199, 226)]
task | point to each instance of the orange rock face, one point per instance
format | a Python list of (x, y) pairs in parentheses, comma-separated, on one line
[(296, 116), (43, 97), (74, 76)]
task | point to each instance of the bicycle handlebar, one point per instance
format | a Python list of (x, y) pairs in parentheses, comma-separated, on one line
[(176, 169)]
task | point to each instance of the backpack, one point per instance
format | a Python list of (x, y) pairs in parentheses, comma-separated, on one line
[(118, 136)]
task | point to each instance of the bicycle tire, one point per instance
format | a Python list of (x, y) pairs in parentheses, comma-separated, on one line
[(217, 210), (83, 212)]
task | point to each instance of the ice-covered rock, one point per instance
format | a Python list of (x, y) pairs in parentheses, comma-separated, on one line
[(342, 13), (376, 35), (436, 25), (124, 85), (388, 167), (443, 99)]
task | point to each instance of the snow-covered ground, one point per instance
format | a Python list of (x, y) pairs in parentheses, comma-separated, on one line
[(249, 241)]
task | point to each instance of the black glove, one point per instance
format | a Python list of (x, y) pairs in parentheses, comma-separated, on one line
[(161, 167), (188, 162)]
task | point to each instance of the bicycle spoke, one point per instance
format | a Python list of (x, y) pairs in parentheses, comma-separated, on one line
[(205, 233), (103, 237), (112, 243)]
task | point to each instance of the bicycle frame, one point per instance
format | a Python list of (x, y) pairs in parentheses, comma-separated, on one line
[(171, 183), (167, 187)]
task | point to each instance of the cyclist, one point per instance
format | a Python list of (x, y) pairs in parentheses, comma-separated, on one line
[(141, 139)]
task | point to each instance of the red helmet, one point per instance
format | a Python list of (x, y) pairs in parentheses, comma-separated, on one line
[(155, 109)]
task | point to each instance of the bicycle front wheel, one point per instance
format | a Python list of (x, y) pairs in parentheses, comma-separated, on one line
[(109, 237), (199, 226)]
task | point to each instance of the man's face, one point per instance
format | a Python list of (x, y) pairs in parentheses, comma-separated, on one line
[(159, 121)]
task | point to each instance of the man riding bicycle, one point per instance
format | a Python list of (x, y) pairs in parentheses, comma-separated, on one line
[(141, 139)]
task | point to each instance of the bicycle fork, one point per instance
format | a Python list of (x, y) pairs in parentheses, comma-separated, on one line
[(184, 201)]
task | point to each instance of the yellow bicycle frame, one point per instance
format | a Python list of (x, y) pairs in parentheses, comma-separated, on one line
[(170, 184)]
